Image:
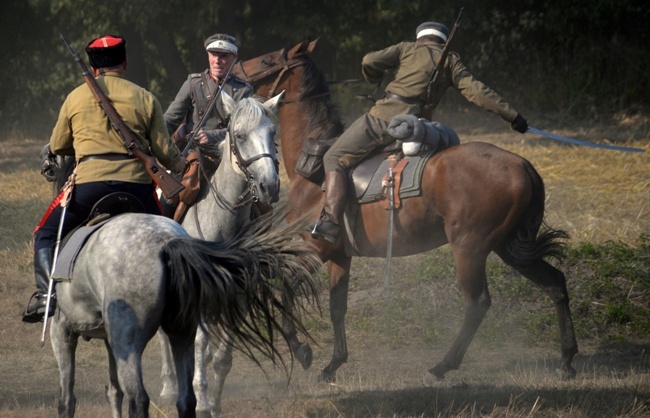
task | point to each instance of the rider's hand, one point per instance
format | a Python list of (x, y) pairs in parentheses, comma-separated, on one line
[(201, 137)]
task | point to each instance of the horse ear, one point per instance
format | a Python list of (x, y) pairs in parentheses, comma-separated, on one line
[(312, 45), (274, 103), (298, 49), (228, 103)]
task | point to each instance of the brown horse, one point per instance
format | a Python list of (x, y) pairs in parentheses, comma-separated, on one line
[(477, 197)]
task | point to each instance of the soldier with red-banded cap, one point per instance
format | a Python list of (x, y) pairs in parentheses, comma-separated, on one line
[(103, 164), (406, 94), (194, 96)]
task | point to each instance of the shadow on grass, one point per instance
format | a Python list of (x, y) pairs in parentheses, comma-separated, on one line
[(600, 389)]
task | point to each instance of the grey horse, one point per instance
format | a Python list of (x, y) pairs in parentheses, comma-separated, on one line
[(221, 210), (140, 272)]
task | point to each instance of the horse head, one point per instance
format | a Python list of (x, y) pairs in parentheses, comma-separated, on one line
[(250, 147)]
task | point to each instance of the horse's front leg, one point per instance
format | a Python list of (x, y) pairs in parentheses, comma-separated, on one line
[(221, 366), (64, 344), (169, 390), (114, 394), (200, 382), (339, 280), (301, 350), (473, 282)]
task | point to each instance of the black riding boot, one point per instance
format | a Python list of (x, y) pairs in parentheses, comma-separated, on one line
[(35, 310), (329, 223)]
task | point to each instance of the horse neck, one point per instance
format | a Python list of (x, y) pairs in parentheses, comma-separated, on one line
[(220, 217), (304, 196)]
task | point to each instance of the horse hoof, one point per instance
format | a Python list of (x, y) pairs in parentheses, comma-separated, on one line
[(167, 398), (566, 374), (438, 371), (305, 355), (326, 377), (203, 414)]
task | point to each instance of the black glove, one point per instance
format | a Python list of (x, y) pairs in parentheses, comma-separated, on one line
[(519, 124), (49, 164)]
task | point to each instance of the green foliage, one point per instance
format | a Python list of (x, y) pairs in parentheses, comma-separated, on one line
[(581, 57), (609, 287), (612, 288)]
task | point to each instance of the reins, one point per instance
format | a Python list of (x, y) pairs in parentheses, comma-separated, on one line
[(248, 196)]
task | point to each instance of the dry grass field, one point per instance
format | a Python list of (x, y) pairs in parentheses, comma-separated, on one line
[(597, 196)]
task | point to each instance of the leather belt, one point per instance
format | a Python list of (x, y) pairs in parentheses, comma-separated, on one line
[(113, 156), (403, 99)]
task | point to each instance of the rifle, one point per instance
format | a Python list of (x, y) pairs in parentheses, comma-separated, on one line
[(428, 107), (208, 111), (168, 185)]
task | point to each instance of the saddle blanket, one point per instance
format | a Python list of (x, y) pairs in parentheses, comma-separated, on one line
[(70, 250), (368, 177)]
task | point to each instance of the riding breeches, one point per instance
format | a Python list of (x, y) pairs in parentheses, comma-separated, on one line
[(366, 134), (84, 197)]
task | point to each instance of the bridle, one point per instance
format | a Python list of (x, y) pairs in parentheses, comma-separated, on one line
[(249, 195), (281, 67)]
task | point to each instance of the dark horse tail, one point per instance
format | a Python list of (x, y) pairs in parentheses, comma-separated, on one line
[(232, 286), (533, 239)]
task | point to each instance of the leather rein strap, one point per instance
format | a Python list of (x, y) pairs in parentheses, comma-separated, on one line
[(282, 67)]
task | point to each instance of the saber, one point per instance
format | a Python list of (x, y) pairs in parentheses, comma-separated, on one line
[(67, 196), (577, 142), (390, 183)]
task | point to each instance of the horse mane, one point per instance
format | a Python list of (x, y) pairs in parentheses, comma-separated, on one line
[(323, 114)]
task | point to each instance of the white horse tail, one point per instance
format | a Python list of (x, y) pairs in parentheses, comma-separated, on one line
[(233, 286)]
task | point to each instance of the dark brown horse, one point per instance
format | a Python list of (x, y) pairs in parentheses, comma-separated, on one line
[(477, 198)]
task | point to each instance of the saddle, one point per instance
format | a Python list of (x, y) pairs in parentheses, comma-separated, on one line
[(105, 209)]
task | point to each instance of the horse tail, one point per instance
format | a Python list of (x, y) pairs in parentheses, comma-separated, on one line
[(231, 287), (533, 239)]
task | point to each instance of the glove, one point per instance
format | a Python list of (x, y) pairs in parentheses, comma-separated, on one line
[(519, 124), (407, 128), (49, 164)]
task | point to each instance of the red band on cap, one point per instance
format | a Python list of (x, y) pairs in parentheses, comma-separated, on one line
[(105, 42)]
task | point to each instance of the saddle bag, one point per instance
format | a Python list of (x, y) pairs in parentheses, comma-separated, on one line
[(310, 161)]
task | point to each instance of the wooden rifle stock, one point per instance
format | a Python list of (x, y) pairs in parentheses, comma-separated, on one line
[(440, 65), (167, 183)]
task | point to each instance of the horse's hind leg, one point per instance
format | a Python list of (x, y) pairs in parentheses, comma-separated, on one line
[(169, 390), (114, 394), (339, 276), (182, 347), (128, 365), (553, 282), (473, 282), (64, 344)]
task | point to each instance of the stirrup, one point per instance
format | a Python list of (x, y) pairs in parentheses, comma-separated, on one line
[(326, 228), (37, 311)]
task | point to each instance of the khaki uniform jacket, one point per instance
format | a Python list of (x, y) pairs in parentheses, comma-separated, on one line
[(193, 98), (414, 64), (83, 129)]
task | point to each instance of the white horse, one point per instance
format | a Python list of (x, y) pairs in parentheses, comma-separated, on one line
[(139, 273), (223, 209)]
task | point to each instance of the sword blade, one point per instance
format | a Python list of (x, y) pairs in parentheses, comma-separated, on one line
[(578, 142)]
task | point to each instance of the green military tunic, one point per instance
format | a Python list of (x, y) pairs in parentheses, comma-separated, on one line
[(83, 130), (193, 98), (414, 64)]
